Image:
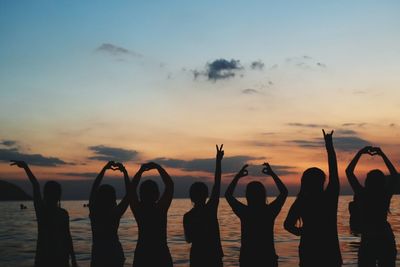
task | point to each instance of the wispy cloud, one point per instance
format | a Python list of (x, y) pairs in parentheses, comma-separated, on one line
[(307, 125), (115, 50), (107, 153), (250, 91)]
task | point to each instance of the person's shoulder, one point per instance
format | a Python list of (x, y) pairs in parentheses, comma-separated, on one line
[(63, 212)]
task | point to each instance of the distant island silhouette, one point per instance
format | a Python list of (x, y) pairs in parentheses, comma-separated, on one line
[(9, 192)]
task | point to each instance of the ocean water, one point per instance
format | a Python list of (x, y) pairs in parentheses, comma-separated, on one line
[(18, 233)]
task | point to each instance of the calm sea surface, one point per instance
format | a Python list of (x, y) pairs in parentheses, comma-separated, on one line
[(18, 233)]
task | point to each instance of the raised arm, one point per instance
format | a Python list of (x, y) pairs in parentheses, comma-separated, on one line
[(393, 179), (134, 199), (124, 203), (215, 192), (37, 198), (351, 177), (235, 204), (333, 184), (97, 182), (292, 219), (166, 198), (283, 192)]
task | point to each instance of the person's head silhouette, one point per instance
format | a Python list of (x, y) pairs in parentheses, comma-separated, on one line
[(52, 193), (312, 182), (375, 181), (106, 197), (255, 194), (198, 193), (149, 192)]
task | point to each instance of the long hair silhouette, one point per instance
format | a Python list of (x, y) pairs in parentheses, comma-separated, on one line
[(105, 215), (378, 245), (313, 215), (257, 219), (150, 212), (54, 243), (201, 222)]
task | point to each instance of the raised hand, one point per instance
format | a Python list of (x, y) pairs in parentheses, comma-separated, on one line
[(366, 150), (267, 169), (119, 166), (375, 151), (19, 163), (110, 165), (328, 138), (220, 152), (243, 172)]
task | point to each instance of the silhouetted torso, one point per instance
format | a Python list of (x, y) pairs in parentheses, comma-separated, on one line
[(52, 248), (374, 212), (257, 228), (355, 217), (151, 248), (378, 243), (106, 248), (202, 229), (319, 243)]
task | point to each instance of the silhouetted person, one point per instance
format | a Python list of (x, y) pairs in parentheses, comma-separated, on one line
[(54, 243), (378, 246), (257, 219), (150, 212), (105, 216), (313, 215), (355, 215), (201, 223)]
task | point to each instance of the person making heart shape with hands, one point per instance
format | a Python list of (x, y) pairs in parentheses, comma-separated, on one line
[(378, 246), (105, 215)]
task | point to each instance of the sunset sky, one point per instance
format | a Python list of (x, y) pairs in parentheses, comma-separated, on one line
[(82, 82)]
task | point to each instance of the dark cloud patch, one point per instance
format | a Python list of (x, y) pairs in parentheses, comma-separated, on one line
[(222, 69), (257, 65), (321, 65), (250, 91), (342, 143), (8, 143), (345, 132), (307, 125), (8, 154), (230, 164), (106, 153), (219, 69), (392, 125), (115, 50)]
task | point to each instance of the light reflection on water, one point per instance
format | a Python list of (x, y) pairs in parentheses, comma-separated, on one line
[(18, 233)]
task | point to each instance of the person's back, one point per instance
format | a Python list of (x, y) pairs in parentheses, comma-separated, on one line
[(152, 224), (257, 228), (319, 237), (52, 247), (202, 230)]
